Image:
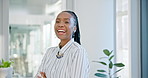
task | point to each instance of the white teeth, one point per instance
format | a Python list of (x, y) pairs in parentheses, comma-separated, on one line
[(61, 31)]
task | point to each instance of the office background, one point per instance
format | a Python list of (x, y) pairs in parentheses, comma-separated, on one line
[(26, 30)]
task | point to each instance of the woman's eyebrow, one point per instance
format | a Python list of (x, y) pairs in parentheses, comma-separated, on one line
[(66, 18), (57, 18)]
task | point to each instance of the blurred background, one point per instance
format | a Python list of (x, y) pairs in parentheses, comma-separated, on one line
[(31, 31), (27, 30)]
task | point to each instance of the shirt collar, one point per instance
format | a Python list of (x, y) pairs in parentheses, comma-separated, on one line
[(67, 45)]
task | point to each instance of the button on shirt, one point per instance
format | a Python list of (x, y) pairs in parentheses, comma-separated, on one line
[(73, 64)]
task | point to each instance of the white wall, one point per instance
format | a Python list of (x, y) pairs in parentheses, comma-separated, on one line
[(97, 24), (4, 14)]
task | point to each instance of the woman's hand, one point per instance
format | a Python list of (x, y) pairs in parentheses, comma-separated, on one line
[(43, 75)]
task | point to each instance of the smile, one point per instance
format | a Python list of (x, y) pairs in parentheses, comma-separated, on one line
[(61, 31)]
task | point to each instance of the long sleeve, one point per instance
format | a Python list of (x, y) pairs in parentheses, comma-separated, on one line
[(80, 65), (41, 67)]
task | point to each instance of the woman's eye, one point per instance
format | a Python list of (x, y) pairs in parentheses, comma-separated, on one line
[(57, 21), (67, 22)]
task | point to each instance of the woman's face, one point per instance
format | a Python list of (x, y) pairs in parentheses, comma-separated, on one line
[(64, 26)]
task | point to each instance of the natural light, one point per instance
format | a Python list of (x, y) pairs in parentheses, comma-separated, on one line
[(122, 36)]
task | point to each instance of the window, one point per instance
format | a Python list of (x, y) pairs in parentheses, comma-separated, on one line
[(31, 24), (123, 36)]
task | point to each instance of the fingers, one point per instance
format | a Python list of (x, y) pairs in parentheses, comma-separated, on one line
[(43, 74)]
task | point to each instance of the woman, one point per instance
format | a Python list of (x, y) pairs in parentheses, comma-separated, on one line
[(69, 58)]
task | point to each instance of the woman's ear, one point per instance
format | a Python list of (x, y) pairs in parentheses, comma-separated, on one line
[(75, 28)]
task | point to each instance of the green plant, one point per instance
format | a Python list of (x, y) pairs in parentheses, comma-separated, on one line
[(5, 64), (108, 63)]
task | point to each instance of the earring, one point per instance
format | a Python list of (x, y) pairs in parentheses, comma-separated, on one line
[(74, 31), (73, 35)]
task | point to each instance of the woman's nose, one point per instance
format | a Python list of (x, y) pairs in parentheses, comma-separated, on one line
[(61, 25)]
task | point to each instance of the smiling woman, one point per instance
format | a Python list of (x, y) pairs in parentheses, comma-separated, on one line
[(68, 59)]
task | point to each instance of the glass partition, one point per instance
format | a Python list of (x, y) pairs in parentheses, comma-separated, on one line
[(31, 32)]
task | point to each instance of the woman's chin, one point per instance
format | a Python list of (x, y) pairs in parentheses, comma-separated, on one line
[(61, 37), (64, 38)]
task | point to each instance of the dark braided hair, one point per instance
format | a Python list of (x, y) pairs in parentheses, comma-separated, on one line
[(76, 34)]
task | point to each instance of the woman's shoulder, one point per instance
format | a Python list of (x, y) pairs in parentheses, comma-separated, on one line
[(79, 50), (78, 46)]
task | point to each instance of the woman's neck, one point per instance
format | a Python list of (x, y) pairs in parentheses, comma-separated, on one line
[(63, 42)]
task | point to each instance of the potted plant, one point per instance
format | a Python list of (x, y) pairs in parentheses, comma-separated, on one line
[(109, 64), (6, 69)]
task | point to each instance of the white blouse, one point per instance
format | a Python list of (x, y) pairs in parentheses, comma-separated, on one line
[(73, 64)]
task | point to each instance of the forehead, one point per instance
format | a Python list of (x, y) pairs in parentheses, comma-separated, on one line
[(64, 15)]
